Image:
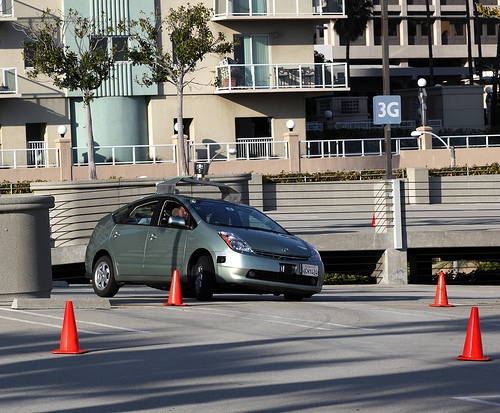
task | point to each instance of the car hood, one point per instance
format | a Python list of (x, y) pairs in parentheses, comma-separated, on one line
[(272, 243)]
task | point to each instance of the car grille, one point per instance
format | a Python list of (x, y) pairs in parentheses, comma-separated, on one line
[(282, 278), (281, 256)]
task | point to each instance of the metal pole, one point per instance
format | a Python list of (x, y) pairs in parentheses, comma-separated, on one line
[(469, 43), (386, 86)]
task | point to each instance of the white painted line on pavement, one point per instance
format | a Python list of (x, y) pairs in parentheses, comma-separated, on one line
[(20, 320), (477, 399), (283, 320), (60, 318)]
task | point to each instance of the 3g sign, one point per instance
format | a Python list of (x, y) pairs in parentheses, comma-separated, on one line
[(386, 109)]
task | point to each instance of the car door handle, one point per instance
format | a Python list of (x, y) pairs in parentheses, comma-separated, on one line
[(116, 234), (152, 236)]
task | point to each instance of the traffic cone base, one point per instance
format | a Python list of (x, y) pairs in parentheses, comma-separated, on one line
[(473, 346), (69, 336), (175, 295), (441, 299)]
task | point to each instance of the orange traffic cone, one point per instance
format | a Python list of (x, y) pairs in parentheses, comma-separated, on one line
[(374, 223), (473, 347), (69, 336), (175, 296), (441, 299)]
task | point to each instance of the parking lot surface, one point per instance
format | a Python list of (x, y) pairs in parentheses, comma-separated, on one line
[(348, 349)]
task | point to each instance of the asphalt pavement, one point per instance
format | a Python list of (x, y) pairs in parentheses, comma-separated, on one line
[(370, 348)]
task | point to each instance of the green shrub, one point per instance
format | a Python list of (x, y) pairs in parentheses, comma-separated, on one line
[(335, 278)]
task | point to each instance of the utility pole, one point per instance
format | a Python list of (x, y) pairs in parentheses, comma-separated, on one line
[(386, 86)]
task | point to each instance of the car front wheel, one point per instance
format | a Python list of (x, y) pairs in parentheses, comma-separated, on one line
[(103, 278), (293, 297), (203, 275)]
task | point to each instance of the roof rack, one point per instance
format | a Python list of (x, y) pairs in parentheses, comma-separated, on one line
[(227, 193)]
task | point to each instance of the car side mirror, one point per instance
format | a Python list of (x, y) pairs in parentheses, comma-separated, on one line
[(177, 222)]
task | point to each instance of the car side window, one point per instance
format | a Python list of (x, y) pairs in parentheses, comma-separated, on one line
[(173, 209), (142, 214)]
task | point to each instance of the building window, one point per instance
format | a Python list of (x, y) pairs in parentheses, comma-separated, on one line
[(488, 31), (252, 54), (111, 43), (418, 30), (119, 43), (393, 30), (453, 31)]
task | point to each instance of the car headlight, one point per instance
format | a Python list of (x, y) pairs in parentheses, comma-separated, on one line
[(234, 242), (314, 254)]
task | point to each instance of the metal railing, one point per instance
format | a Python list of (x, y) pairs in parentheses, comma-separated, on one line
[(127, 154), (467, 141), (353, 147), (243, 149), (284, 8), (29, 158), (241, 77), (8, 80)]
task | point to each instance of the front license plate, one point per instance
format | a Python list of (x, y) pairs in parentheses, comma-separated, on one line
[(310, 270)]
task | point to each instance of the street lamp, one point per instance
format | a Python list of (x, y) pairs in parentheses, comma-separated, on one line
[(201, 168), (419, 133), (290, 124), (61, 130), (422, 97)]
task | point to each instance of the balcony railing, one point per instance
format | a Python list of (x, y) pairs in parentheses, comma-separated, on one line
[(36, 157), (236, 77), (244, 149), (6, 8), (277, 8), (353, 147), (8, 80), (126, 154)]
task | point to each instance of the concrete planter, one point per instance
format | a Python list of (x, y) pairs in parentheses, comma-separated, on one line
[(26, 269)]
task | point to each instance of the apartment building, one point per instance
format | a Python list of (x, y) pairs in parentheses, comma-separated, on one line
[(249, 94), (408, 36)]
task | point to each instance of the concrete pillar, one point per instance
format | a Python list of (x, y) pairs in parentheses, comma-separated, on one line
[(65, 158), (418, 185), (393, 267), (425, 138), (25, 243), (293, 150)]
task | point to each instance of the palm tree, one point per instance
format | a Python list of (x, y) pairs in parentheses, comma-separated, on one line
[(359, 13)]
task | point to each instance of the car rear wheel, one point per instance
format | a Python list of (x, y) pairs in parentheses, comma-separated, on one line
[(103, 278), (203, 275)]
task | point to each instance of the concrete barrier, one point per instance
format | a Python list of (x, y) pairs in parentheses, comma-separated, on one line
[(25, 246)]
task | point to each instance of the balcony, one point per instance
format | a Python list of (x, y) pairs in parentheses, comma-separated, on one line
[(8, 81), (6, 10), (238, 9), (242, 78)]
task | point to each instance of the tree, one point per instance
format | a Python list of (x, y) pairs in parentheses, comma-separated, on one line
[(359, 13), (84, 67), (493, 12), (191, 40)]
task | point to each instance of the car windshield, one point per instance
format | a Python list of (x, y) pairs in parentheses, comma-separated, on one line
[(233, 215)]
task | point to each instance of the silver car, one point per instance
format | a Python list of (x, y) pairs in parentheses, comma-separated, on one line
[(217, 246)]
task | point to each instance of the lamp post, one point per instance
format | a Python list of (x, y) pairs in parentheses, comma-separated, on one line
[(201, 168), (61, 130), (422, 97), (418, 134)]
